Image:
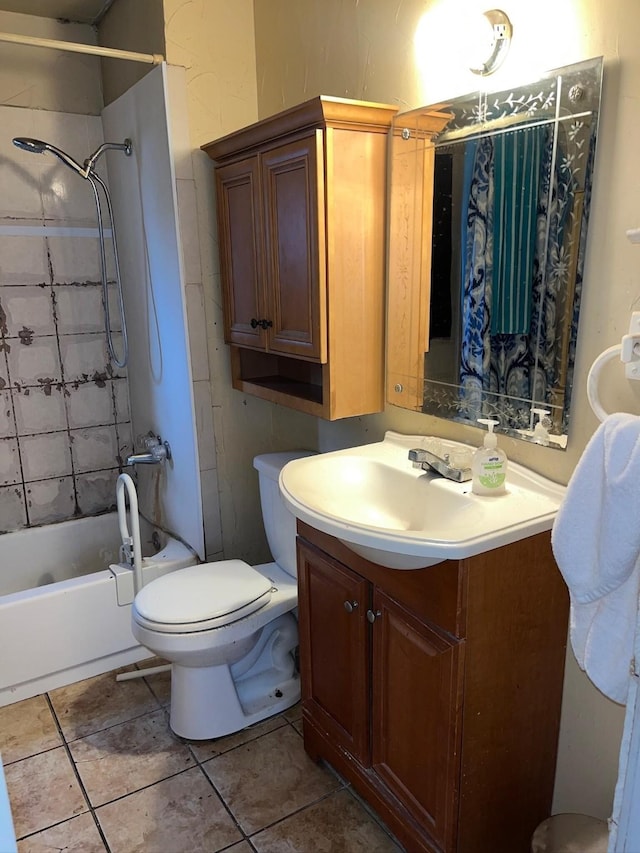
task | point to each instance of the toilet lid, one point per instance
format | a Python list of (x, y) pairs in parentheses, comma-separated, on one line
[(201, 597)]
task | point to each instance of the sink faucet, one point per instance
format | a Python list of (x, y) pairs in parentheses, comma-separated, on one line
[(428, 461)]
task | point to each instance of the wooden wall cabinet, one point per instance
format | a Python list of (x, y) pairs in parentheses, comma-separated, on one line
[(301, 200), (437, 692)]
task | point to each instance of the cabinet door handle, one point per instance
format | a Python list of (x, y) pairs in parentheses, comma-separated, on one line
[(372, 616), (350, 606), (264, 324)]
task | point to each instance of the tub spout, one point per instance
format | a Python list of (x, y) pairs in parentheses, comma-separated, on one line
[(156, 452)]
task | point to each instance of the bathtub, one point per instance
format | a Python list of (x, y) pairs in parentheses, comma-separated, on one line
[(60, 616)]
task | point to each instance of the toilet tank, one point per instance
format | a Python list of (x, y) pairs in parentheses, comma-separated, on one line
[(279, 523)]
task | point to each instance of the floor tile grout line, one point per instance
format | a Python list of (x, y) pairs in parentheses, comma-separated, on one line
[(77, 774), (236, 823), (112, 726), (144, 787), (295, 812), (190, 743), (246, 836)]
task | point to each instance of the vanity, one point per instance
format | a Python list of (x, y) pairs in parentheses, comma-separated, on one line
[(435, 691)]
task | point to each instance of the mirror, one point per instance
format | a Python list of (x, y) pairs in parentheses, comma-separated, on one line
[(489, 206)]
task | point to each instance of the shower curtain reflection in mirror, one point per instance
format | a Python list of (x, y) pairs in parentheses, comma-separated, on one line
[(512, 274)]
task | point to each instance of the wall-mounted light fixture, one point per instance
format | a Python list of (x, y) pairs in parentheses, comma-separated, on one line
[(492, 41)]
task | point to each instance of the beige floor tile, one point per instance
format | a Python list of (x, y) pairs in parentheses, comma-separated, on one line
[(298, 726), (160, 686), (338, 824), (243, 847), (205, 749), (43, 790), (129, 756), (268, 779), (27, 728), (294, 713), (96, 703), (78, 835), (182, 815)]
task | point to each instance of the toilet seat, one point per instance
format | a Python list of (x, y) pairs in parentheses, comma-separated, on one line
[(201, 597)]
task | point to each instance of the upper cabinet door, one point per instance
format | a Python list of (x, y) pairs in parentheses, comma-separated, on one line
[(241, 251), (295, 257)]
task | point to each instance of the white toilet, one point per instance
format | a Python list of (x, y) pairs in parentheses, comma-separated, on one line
[(227, 628)]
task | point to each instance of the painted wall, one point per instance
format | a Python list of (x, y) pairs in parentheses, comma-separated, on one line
[(145, 204), (214, 41), (135, 26), (45, 79), (368, 51)]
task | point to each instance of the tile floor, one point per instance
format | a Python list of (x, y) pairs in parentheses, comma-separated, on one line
[(94, 767)]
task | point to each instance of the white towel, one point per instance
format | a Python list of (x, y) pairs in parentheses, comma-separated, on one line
[(596, 542)]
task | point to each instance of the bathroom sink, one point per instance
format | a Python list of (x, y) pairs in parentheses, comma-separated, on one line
[(380, 506)]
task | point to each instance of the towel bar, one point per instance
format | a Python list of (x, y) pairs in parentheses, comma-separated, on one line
[(629, 351)]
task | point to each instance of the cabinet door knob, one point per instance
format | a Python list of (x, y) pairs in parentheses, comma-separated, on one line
[(350, 606), (264, 324), (372, 616)]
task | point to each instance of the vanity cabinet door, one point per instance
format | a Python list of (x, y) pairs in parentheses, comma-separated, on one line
[(241, 252), (334, 650), (293, 195), (417, 697)]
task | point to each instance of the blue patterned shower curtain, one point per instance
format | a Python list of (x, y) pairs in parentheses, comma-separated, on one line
[(508, 298)]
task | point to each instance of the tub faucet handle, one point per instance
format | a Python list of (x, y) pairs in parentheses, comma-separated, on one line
[(156, 451)]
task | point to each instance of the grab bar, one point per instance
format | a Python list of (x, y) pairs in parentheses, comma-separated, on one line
[(629, 351), (125, 483)]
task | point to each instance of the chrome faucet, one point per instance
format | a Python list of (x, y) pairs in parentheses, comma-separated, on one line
[(428, 461), (157, 451)]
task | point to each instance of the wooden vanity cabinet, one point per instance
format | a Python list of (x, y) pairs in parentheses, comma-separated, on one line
[(437, 692), (301, 218)]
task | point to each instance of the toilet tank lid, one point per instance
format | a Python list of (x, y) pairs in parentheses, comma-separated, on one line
[(271, 464)]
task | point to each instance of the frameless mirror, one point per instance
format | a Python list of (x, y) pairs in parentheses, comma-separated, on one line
[(489, 206)]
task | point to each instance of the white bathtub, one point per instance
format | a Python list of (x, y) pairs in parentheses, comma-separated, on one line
[(60, 620)]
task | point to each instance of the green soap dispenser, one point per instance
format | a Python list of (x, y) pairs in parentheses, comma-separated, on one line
[(489, 464)]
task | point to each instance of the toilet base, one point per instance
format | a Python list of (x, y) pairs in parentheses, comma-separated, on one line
[(212, 701)]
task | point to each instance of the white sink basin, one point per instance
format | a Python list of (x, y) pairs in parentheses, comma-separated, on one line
[(373, 500)]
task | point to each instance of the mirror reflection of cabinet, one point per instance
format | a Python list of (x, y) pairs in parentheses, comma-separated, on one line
[(487, 240), (301, 220)]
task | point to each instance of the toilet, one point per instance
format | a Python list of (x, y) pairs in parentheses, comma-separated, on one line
[(228, 628)]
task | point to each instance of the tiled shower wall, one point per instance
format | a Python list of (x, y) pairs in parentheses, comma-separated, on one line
[(64, 413)]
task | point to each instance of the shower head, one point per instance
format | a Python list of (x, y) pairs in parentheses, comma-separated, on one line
[(37, 146)]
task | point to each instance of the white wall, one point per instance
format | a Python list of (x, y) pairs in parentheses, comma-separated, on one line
[(146, 215), (214, 41)]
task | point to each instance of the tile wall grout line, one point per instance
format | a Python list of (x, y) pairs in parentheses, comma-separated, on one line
[(54, 308), (51, 231)]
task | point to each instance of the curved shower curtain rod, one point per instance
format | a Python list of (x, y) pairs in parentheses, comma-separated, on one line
[(78, 47)]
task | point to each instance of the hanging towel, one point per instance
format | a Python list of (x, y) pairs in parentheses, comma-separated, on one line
[(596, 543)]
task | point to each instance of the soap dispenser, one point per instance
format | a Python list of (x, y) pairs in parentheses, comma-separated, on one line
[(489, 465), (540, 431)]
